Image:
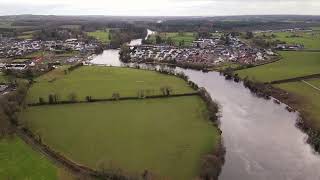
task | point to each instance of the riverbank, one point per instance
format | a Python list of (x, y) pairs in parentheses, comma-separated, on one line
[(293, 102)]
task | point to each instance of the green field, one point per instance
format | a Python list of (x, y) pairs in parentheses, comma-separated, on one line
[(52, 54), (18, 161), (3, 78), (27, 35), (70, 26), (102, 82), (316, 28), (293, 64), (187, 37), (167, 136), (100, 35), (310, 96), (8, 25), (311, 40)]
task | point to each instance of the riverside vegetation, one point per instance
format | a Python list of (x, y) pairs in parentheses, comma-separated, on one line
[(294, 81)]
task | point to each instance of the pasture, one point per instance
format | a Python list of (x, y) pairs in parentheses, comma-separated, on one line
[(310, 98), (100, 35), (311, 40), (102, 82), (52, 54), (292, 64), (3, 78), (19, 161), (177, 37), (166, 136), (26, 35)]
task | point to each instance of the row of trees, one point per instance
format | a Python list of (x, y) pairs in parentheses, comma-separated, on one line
[(73, 97), (125, 35), (10, 105)]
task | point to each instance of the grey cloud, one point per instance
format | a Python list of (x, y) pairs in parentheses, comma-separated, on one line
[(179, 7)]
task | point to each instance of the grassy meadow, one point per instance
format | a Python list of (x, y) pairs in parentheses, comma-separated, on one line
[(71, 26), (292, 64), (52, 54), (311, 40), (18, 161), (27, 35), (100, 35), (166, 136), (316, 28), (310, 97), (187, 37), (102, 82), (3, 78)]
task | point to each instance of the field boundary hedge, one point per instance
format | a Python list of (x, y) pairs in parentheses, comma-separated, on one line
[(118, 99), (296, 79)]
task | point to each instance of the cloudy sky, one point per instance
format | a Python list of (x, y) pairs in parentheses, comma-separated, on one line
[(159, 7)]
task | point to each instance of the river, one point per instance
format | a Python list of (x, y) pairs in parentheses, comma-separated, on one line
[(261, 139)]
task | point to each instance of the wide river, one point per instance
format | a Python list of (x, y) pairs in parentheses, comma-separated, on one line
[(260, 137)]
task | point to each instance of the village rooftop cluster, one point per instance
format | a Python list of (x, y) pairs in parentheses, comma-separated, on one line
[(10, 47), (209, 52)]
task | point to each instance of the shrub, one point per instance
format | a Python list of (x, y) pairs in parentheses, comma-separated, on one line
[(73, 97), (88, 98), (41, 100), (166, 91), (51, 99), (116, 96), (141, 94)]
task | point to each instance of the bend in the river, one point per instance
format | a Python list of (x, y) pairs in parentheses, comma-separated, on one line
[(260, 137)]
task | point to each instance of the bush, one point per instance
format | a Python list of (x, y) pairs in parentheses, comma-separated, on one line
[(88, 98), (166, 91), (41, 100), (141, 94), (213, 107), (73, 97), (53, 98), (116, 96)]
